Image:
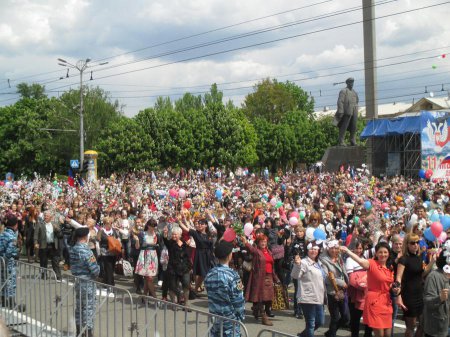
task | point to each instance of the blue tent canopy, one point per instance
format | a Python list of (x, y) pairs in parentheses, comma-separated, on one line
[(397, 126)]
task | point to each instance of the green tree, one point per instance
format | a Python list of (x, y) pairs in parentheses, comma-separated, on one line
[(35, 91), (271, 100), (125, 146)]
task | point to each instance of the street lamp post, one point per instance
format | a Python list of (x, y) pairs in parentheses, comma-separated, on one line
[(81, 66)]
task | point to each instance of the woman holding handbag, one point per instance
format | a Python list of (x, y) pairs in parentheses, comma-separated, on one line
[(356, 289), (262, 278), (107, 258), (336, 283)]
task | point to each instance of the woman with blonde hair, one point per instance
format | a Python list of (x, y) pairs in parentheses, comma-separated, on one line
[(410, 275)]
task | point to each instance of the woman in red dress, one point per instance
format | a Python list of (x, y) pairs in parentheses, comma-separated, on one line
[(377, 312)]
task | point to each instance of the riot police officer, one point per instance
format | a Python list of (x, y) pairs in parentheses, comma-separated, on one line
[(225, 292), (10, 246), (85, 267)]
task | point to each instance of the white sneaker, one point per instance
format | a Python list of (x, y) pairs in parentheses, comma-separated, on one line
[(160, 283)]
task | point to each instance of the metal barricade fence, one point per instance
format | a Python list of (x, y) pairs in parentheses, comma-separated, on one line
[(50, 310), (273, 333), (156, 318)]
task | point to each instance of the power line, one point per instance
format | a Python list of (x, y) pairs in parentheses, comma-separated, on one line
[(265, 30), (185, 38), (263, 43)]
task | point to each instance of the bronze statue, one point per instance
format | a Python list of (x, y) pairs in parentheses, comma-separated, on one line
[(347, 113)]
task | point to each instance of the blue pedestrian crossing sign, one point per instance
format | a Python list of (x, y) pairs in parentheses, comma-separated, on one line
[(74, 163)]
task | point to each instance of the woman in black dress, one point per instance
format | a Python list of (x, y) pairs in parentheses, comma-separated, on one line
[(410, 274), (204, 257)]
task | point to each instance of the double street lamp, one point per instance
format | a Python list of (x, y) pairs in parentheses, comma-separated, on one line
[(81, 66)]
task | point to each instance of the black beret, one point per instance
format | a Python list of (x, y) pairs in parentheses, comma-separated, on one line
[(223, 249), (11, 221), (81, 232)]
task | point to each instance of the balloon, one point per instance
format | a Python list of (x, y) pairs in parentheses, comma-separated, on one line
[(436, 228), (229, 235), (302, 215), (434, 66), (293, 221), (386, 215), (187, 204), (434, 217), (273, 201), (384, 206), (277, 179), (182, 193), (173, 193), (309, 234), (248, 229), (283, 187), (428, 235), (442, 237), (295, 214), (279, 204), (319, 234), (428, 173), (356, 220), (219, 194), (422, 174), (446, 222), (265, 197), (367, 205)]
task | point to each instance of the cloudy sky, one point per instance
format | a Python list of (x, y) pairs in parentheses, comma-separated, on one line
[(169, 47)]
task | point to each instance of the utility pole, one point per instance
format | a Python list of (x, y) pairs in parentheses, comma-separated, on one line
[(370, 73), (81, 66)]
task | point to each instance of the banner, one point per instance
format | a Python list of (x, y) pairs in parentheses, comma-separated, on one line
[(435, 138)]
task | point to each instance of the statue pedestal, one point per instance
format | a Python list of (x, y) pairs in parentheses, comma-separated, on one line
[(335, 156)]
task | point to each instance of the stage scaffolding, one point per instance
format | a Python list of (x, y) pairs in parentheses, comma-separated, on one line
[(396, 155)]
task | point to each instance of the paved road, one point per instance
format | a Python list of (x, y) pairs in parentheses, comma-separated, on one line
[(117, 312)]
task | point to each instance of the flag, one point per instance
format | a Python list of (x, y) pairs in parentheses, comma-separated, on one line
[(70, 179)]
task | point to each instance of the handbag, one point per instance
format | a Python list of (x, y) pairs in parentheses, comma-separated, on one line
[(277, 251), (280, 298), (123, 267), (247, 265), (114, 245)]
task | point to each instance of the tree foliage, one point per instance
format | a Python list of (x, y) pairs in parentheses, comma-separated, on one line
[(275, 127)]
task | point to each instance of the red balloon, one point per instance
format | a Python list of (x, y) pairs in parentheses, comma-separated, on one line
[(436, 229), (187, 204), (428, 173), (229, 235), (295, 214)]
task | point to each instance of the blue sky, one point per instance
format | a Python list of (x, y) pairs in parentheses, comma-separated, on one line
[(185, 46)]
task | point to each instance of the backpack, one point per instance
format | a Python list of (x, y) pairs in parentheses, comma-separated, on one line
[(114, 245)]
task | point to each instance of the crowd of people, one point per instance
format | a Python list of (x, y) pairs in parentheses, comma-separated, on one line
[(351, 243)]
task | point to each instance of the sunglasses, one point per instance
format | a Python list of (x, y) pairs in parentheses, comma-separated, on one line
[(413, 242)]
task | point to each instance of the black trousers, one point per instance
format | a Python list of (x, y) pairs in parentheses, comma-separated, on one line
[(355, 318), (108, 263), (53, 254)]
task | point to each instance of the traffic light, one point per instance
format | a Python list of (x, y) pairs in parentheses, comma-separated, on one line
[(85, 166)]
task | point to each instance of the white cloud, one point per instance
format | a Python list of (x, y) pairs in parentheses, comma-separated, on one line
[(33, 33)]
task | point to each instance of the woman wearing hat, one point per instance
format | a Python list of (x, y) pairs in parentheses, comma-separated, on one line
[(311, 293), (336, 284)]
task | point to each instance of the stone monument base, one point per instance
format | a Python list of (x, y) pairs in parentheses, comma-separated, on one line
[(335, 156)]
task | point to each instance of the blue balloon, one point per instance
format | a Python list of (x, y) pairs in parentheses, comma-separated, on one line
[(386, 215), (422, 174), (367, 205), (445, 222), (429, 235), (319, 234), (434, 217), (428, 203), (219, 194)]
